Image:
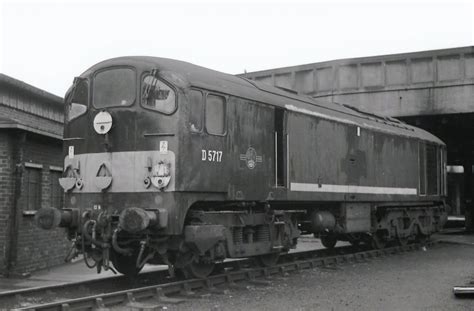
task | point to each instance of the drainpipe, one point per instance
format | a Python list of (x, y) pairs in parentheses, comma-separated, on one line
[(12, 231)]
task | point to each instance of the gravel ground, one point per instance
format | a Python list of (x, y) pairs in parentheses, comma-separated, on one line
[(419, 280)]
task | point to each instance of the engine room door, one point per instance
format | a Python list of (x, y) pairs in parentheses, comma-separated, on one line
[(281, 149), (250, 141)]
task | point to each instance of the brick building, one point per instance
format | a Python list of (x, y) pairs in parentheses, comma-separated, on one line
[(31, 125)]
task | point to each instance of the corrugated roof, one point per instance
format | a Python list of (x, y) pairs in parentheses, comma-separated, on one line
[(49, 98), (11, 123)]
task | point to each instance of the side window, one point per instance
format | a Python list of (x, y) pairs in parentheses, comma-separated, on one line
[(78, 104), (429, 169), (33, 188), (432, 171), (158, 95), (215, 114), (195, 110)]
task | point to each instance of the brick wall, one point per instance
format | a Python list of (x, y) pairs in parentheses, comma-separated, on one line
[(33, 145), (6, 193), (37, 248), (33, 248)]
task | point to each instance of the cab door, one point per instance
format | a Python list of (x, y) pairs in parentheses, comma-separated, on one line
[(205, 157)]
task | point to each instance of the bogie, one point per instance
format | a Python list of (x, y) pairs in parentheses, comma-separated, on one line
[(328, 240)]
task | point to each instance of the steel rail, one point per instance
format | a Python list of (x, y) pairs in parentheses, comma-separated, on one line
[(118, 282), (296, 262), (103, 284), (7, 297)]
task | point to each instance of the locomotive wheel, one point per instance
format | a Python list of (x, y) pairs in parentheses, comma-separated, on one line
[(126, 265), (378, 241), (268, 260), (355, 239), (198, 269), (402, 241), (355, 242), (328, 241), (422, 238)]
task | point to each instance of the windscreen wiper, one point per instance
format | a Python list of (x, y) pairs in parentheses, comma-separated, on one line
[(151, 85)]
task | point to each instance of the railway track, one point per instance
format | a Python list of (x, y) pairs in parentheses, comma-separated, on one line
[(153, 290), (72, 290)]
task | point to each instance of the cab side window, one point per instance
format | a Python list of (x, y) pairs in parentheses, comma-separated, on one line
[(77, 105), (196, 105), (215, 114), (158, 95)]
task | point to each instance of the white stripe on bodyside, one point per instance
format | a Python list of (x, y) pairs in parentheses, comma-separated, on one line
[(306, 187)]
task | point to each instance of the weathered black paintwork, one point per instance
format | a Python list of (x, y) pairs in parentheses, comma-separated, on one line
[(323, 145)]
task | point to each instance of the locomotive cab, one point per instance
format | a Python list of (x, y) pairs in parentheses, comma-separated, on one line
[(120, 141)]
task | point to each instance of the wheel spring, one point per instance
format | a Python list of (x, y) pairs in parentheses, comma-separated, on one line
[(263, 233), (238, 235)]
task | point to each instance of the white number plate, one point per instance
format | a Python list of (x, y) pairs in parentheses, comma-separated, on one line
[(211, 155)]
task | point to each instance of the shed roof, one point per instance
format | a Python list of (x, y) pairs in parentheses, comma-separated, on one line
[(49, 98), (11, 123)]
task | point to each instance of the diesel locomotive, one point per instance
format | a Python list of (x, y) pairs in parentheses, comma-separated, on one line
[(170, 163)]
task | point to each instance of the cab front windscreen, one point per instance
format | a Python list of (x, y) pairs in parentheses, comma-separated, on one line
[(114, 87)]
